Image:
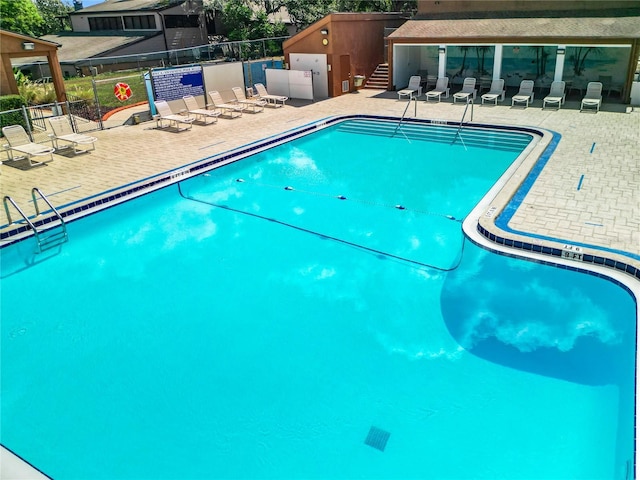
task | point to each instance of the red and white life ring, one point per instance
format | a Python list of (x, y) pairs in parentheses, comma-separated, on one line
[(122, 91)]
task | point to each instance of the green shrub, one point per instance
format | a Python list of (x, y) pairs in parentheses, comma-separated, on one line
[(37, 93), (12, 102)]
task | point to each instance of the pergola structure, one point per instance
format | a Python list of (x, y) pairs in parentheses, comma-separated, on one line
[(15, 45)]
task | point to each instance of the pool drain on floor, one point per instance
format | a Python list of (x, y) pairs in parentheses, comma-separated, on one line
[(377, 438)]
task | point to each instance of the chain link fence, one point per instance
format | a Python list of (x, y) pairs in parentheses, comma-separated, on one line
[(220, 52)]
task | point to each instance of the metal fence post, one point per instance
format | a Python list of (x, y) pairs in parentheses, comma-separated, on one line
[(27, 121), (71, 119), (95, 97)]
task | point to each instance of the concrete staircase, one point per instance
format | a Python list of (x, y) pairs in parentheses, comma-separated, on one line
[(380, 78)]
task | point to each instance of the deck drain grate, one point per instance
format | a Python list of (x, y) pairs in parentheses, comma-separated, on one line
[(377, 438)]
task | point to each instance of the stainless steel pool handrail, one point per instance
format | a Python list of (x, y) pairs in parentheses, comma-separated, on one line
[(50, 241), (10, 200), (466, 107), (55, 238), (415, 114)]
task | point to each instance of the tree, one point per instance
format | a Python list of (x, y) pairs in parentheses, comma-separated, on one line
[(246, 23), (236, 17), (305, 12), (21, 16), (364, 5), (270, 6), (54, 14)]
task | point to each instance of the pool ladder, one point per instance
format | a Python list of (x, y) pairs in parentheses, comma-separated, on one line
[(45, 238)]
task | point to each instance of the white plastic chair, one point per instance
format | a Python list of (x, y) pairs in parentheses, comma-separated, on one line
[(203, 115), (496, 91), (468, 90), (180, 122), (593, 97), (63, 131), (441, 88), (556, 95), (414, 87), (525, 94), (18, 141)]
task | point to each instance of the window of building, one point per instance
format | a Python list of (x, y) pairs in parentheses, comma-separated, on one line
[(181, 21), (105, 23), (140, 22)]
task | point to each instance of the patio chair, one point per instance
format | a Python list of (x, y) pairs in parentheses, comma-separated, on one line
[(203, 115), (525, 93), (231, 110), (63, 131), (556, 95), (254, 105), (485, 83), (180, 122), (468, 90), (272, 100), (441, 88), (593, 97), (18, 141), (496, 92), (414, 89)]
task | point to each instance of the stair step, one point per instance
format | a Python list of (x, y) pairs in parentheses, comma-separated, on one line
[(506, 141), (379, 79), (52, 237)]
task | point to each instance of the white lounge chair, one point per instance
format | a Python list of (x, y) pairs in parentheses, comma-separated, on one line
[(468, 90), (253, 105), (525, 93), (202, 114), (18, 141), (272, 100), (180, 122), (441, 88), (556, 95), (62, 130), (231, 110), (593, 97), (496, 92), (414, 89)]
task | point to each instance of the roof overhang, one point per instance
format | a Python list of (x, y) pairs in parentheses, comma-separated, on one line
[(618, 30)]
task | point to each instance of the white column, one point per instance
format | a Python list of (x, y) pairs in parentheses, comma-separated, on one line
[(497, 62), (442, 61), (560, 63)]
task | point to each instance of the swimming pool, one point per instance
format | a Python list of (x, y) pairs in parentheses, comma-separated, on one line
[(315, 311)]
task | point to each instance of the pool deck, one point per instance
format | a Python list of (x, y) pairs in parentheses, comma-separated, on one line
[(588, 193)]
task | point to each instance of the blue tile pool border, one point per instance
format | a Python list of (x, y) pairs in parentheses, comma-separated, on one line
[(557, 253)]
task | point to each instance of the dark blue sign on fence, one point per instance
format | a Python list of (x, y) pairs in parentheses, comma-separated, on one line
[(174, 83)]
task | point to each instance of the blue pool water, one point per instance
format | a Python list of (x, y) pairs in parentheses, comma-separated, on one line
[(241, 329)]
